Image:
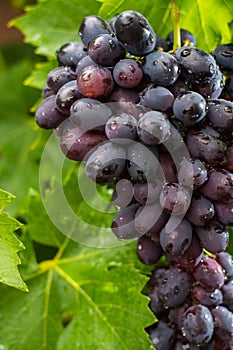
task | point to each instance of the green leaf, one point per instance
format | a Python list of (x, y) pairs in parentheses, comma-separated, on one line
[(37, 79), (50, 24), (9, 247), (84, 298)]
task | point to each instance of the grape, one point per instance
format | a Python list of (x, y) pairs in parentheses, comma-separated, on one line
[(153, 128), (174, 199), (197, 66), (83, 63), (192, 172), (193, 254), (227, 292), (209, 274), (198, 324), (123, 223), (66, 96), (158, 98), (95, 81), (161, 44), (208, 298), (174, 287), (223, 319), (167, 169), (123, 194), (206, 144), (70, 54), (176, 314), (201, 210), (219, 186), (148, 251), (156, 304), (212, 88), (229, 162), (229, 86), (58, 77), (147, 193), (47, 116), (75, 144), (187, 38), (105, 50), (179, 87), (162, 336), (142, 162), (106, 163), (92, 26), (224, 212), (150, 219), (135, 32), (47, 91), (223, 54), (176, 241), (123, 95), (127, 73), (88, 114), (220, 115), (161, 68), (226, 261), (121, 129), (189, 108)]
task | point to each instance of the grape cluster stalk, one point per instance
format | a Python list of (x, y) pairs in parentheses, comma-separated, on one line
[(157, 125)]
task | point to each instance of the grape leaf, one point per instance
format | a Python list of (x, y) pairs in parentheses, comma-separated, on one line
[(9, 246), (84, 298), (37, 78), (50, 24)]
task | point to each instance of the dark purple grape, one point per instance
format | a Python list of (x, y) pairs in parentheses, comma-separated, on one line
[(150, 219), (167, 169), (106, 163), (201, 210), (220, 115), (223, 321), (142, 162), (47, 116), (123, 95), (206, 144), (161, 44), (209, 274), (105, 50), (229, 162), (227, 292), (66, 96), (75, 144), (197, 66), (192, 173), (60, 76), (202, 296), (121, 129), (148, 251), (135, 32), (219, 186), (187, 38), (84, 62), (198, 324), (127, 73), (224, 212), (153, 128), (123, 193), (176, 241), (162, 336), (229, 86), (212, 88), (70, 54), (47, 91), (192, 256), (91, 26), (158, 98), (190, 108), (174, 199), (179, 87), (161, 68), (223, 55), (174, 287), (123, 223), (156, 304), (95, 82), (176, 314), (226, 261), (147, 193), (89, 114)]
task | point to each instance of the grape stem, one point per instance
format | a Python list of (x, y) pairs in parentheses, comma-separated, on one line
[(175, 14)]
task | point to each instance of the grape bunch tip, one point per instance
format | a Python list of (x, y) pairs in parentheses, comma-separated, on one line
[(157, 126)]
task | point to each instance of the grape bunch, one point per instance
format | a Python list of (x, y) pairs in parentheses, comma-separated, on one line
[(156, 124)]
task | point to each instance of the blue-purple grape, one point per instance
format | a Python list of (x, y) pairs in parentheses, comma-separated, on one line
[(148, 251), (47, 115), (59, 76), (127, 73), (123, 223), (66, 96), (70, 54), (158, 98), (121, 129), (201, 210), (174, 199), (91, 26), (209, 274), (219, 186)]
